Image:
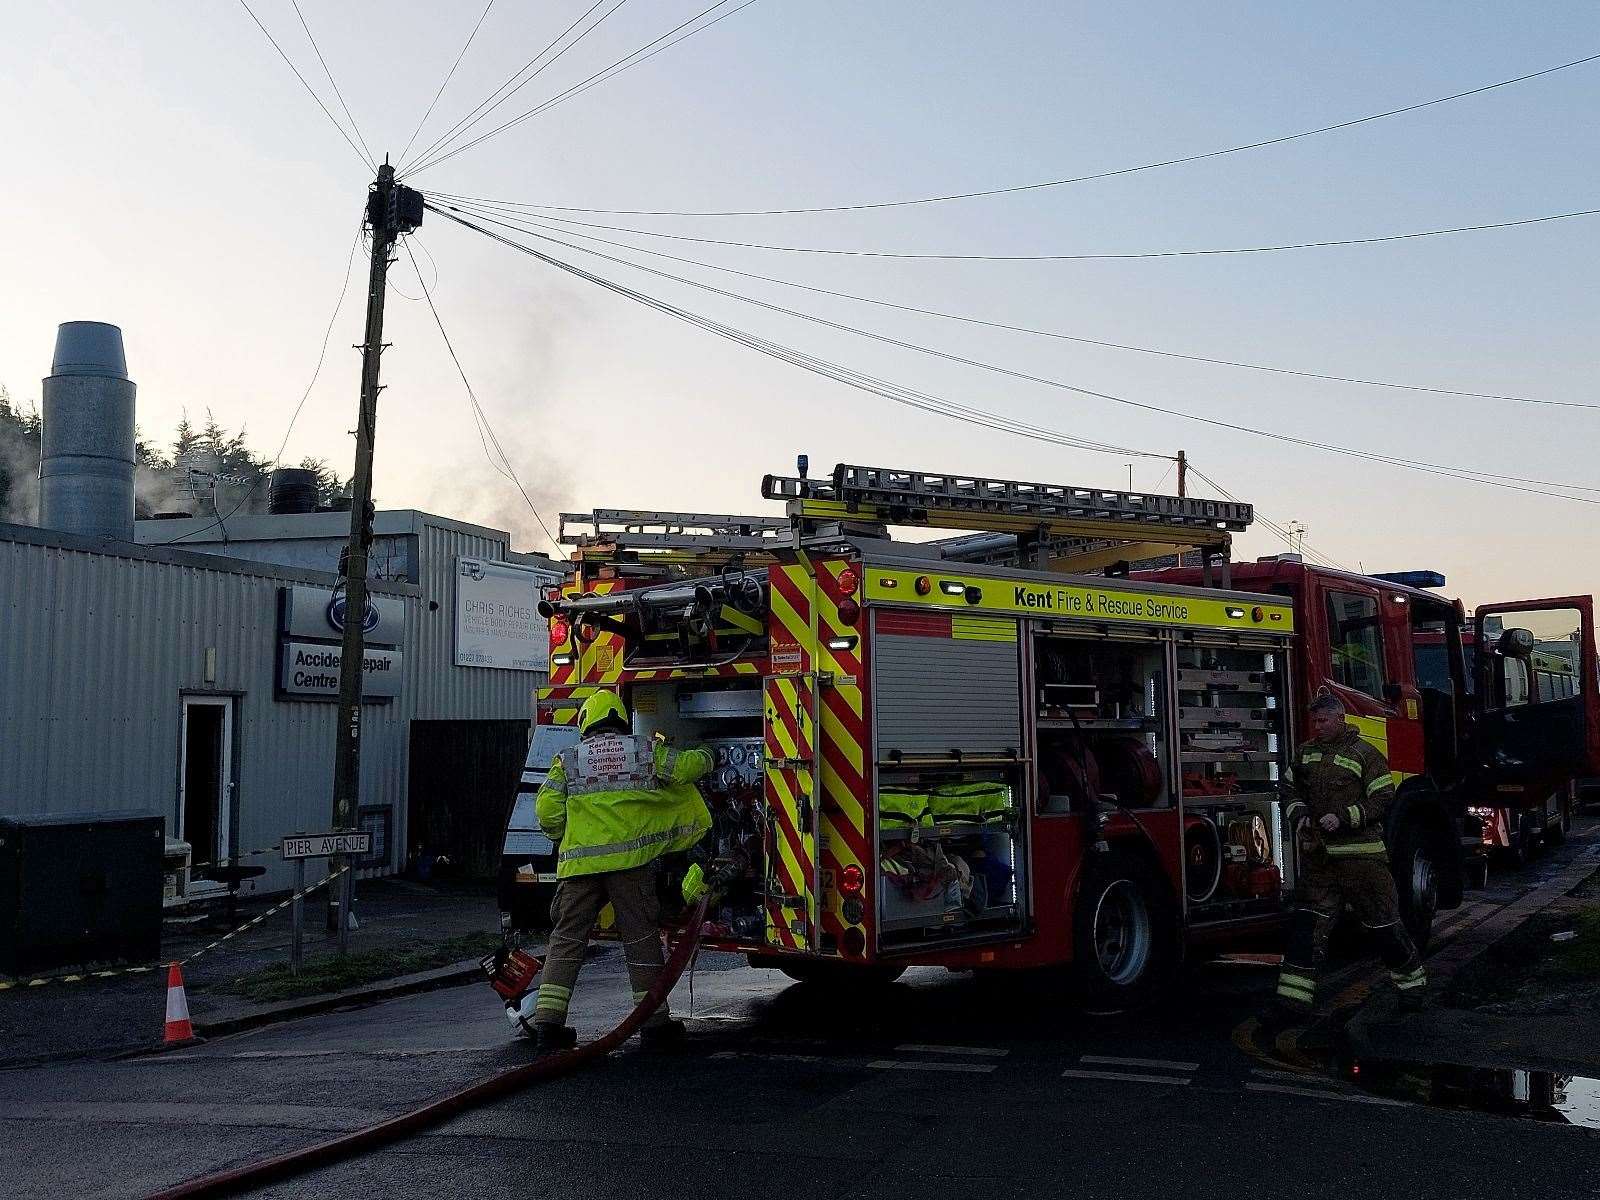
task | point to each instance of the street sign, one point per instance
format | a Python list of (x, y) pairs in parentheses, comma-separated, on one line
[(325, 845)]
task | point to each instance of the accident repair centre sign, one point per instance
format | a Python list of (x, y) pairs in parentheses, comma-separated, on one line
[(310, 632), (497, 615)]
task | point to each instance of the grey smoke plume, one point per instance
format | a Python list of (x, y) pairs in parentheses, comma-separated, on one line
[(19, 463)]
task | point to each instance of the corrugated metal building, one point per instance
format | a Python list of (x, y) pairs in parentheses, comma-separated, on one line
[(126, 669)]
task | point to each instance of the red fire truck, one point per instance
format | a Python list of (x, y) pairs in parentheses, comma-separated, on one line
[(928, 756)]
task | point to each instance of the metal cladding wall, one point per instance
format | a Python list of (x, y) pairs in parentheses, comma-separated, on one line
[(100, 640)]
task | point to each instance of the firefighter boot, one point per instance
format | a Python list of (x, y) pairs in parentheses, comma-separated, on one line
[(662, 1035), (552, 1038)]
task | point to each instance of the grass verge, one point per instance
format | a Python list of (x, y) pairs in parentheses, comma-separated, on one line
[(1528, 972), (325, 973)]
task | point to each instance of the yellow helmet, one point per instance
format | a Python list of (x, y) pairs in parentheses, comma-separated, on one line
[(600, 707)]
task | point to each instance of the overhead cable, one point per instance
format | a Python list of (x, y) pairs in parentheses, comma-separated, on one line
[(504, 467), (897, 393), (622, 64), (1054, 183), (338, 95), (365, 158), (448, 76), (465, 124), (484, 206), (316, 373), (1487, 478), (1098, 256)]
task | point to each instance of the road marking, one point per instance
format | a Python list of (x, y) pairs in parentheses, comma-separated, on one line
[(1318, 1094), (1159, 1063), (773, 1056), (975, 1051), (890, 1064), (1295, 1077), (1128, 1077)]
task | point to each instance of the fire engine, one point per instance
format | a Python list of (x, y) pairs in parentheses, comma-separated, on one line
[(995, 750)]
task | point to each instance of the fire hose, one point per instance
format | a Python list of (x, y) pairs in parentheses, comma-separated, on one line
[(494, 1087)]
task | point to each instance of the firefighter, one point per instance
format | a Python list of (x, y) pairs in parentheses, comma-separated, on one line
[(1346, 786), (615, 803)]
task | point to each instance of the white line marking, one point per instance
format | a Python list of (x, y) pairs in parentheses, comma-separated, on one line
[(1171, 1080), (770, 1056), (1168, 1064), (976, 1051), (1306, 1077), (1316, 1094), (889, 1064)]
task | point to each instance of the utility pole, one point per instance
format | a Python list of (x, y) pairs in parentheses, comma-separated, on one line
[(1183, 473), (391, 211)]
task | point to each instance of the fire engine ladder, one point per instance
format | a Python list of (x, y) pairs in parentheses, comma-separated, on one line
[(1060, 527), (673, 536)]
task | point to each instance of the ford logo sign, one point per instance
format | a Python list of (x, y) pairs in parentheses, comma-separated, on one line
[(336, 612)]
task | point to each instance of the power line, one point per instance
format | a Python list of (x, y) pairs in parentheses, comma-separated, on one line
[(338, 95), (322, 355), (448, 76), (365, 159), (1280, 531), (1486, 478), (622, 64), (482, 205), (490, 103), (477, 409), (897, 393), (1053, 183), (1096, 257)]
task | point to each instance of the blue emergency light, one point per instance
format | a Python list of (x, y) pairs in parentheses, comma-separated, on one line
[(1416, 579)]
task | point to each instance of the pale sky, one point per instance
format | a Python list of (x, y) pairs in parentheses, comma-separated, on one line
[(165, 171)]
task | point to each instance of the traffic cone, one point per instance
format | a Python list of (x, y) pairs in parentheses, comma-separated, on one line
[(179, 1030)]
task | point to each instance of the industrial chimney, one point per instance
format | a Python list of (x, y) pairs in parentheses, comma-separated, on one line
[(86, 464)]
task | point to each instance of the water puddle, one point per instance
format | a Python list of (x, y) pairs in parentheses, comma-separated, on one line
[(1512, 1092)]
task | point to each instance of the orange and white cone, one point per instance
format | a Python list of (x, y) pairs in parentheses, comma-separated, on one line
[(179, 1029)]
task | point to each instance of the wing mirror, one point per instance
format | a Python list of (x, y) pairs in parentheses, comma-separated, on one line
[(1515, 643)]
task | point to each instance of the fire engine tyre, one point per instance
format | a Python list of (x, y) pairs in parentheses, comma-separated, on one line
[(1124, 936), (1555, 834), (842, 975), (1416, 870)]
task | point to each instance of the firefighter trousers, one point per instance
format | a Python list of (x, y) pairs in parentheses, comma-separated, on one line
[(1325, 887), (577, 904)]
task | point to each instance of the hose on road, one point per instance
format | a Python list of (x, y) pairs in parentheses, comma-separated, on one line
[(494, 1087)]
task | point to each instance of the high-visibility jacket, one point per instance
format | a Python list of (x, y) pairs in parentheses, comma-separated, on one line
[(1350, 778), (619, 801)]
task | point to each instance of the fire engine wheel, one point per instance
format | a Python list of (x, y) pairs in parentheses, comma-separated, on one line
[(1557, 833), (1417, 880), (838, 974), (1124, 935)]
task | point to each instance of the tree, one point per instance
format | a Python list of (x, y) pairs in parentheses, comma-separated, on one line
[(20, 441)]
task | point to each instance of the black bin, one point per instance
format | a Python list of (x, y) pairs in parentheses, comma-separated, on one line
[(78, 888)]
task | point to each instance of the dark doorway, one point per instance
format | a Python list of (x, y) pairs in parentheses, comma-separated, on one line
[(463, 780), (206, 786)]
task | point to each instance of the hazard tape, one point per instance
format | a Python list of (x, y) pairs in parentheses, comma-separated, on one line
[(7, 985), (223, 862)]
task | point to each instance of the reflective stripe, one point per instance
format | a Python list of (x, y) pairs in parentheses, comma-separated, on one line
[(555, 989), (1409, 984), (1295, 991), (1349, 764), (638, 843), (1378, 784), (1310, 756), (669, 762), (1351, 849), (1355, 816)]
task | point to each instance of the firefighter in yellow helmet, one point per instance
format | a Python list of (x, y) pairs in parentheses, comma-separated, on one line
[(614, 803), (1347, 788)]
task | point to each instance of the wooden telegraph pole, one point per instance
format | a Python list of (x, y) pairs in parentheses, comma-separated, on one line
[(391, 210)]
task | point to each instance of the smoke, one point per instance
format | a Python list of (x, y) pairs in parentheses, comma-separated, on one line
[(156, 489), (19, 466), (482, 495)]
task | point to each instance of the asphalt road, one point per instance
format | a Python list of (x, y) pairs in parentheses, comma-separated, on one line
[(938, 1085)]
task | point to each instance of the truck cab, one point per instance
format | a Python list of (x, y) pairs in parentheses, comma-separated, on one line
[(1459, 739)]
